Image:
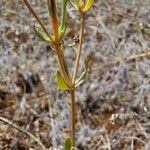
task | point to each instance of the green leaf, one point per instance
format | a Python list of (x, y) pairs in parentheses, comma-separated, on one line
[(62, 32), (61, 82), (80, 4), (63, 17), (88, 5), (82, 77), (67, 145), (40, 34), (62, 28)]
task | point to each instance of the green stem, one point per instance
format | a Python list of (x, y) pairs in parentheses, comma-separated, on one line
[(62, 66), (72, 91), (73, 117), (80, 48)]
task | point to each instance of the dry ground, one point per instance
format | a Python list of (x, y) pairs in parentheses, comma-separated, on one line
[(113, 104)]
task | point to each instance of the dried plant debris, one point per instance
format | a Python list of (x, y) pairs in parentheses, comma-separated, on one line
[(114, 104)]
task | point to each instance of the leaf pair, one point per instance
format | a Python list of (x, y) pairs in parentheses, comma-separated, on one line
[(82, 5), (44, 37), (88, 5), (59, 31), (62, 83)]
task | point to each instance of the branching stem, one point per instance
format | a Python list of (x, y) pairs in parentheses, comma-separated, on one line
[(61, 58), (72, 91)]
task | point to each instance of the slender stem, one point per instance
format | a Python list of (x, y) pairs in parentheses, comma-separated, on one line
[(37, 18), (80, 48), (72, 91), (61, 62), (73, 117)]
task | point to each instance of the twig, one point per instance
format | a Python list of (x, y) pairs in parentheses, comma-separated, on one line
[(54, 142), (135, 138), (144, 54), (119, 59), (23, 131), (97, 144), (108, 142)]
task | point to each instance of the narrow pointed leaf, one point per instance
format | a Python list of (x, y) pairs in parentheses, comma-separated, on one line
[(62, 28), (41, 34), (61, 82), (62, 32), (63, 17), (67, 145), (88, 5), (82, 77)]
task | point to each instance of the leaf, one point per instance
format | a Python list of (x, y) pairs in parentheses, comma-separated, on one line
[(81, 4), (82, 77), (67, 145), (62, 28), (62, 32), (88, 5), (61, 82), (63, 17), (40, 34)]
